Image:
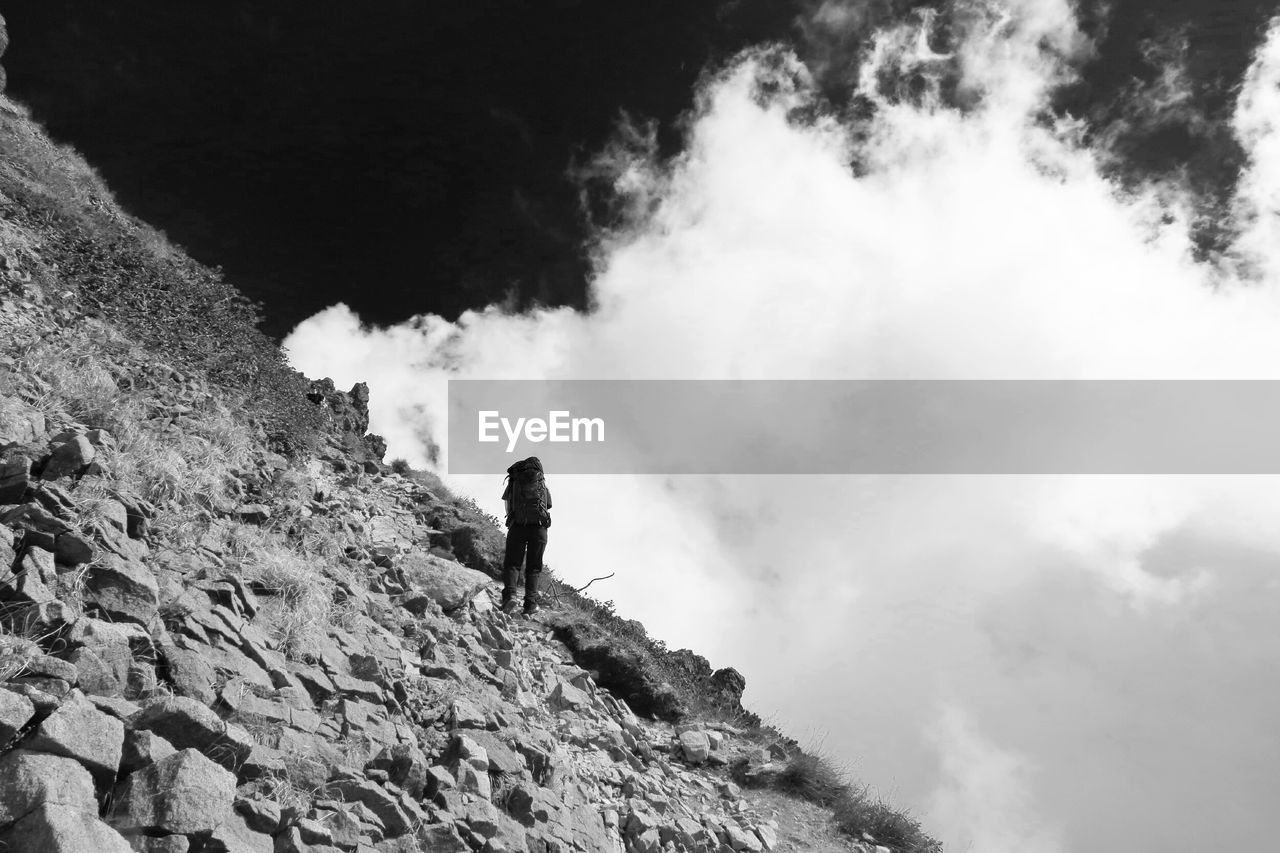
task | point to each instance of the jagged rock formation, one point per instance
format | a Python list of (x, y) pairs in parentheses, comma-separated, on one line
[(348, 442)]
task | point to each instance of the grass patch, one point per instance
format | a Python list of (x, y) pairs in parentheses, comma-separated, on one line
[(77, 241), (857, 813), (302, 600)]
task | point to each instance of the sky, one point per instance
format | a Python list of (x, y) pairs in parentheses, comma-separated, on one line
[(1031, 664), (409, 158)]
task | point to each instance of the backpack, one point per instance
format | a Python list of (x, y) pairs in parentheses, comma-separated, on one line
[(528, 493)]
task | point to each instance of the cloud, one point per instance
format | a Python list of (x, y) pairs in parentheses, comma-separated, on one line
[(983, 793), (943, 633)]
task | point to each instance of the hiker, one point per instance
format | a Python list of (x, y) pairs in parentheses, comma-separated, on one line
[(528, 503)]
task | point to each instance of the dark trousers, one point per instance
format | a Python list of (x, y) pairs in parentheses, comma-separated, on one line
[(525, 543)]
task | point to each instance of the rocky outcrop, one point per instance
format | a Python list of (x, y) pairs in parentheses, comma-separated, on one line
[(428, 720), (349, 446)]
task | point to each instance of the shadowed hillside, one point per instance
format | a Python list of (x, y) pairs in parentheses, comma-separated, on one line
[(226, 625)]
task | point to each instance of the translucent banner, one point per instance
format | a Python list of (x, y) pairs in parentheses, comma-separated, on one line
[(866, 427)]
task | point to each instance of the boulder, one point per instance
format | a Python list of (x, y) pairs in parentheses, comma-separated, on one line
[(27, 583), (15, 712), (59, 829), (450, 585), (102, 670), (695, 745), (69, 458), (742, 840), (79, 730), (466, 715), (377, 799), (123, 590), (233, 835), (184, 793), (405, 765), (729, 684), (35, 519), (440, 838), (143, 748), (191, 675), (502, 758), (30, 779), (186, 723), (72, 549)]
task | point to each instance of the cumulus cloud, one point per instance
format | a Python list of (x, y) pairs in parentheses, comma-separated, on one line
[(945, 633)]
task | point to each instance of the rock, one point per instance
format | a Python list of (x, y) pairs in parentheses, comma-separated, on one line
[(34, 518), (466, 715), (377, 799), (768, 836), (566, 697), (439, 779), (185, 723), (405, 765), (450, 585), (142, 748), (69, 458), (50, 667), (740, 839), (25, 585), (502, 758), (439, 838), (102, 670), (59, 829), (72, 549), (114, 514), (79, 730), (184, 793), (29, 780), (15, 712), (192, 676), (161, 844), (233, 835), (259, 815), (122, 589), (121, 709), (730, 684), (696, 746), (474, 781), (254, 513)]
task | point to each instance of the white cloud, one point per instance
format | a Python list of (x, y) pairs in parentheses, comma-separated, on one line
[(984, 794), (974, 244)]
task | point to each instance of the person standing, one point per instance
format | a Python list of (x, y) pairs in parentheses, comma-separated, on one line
[(528, 503)]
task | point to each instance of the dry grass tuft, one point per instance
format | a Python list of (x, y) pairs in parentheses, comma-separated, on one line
[(303, 599), (814, 777)]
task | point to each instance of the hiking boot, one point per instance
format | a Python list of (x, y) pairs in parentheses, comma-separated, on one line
[(531, 608), (509, 606)]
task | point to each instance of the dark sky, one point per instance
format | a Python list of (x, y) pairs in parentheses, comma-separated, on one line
[(407, 157)]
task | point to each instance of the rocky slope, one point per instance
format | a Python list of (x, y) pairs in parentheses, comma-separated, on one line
[(161, 701), (206, 645)]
